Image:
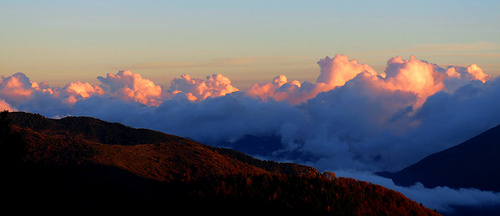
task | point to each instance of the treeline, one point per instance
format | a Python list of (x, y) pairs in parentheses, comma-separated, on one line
[(313, 194), (89, 129), (12, 146)]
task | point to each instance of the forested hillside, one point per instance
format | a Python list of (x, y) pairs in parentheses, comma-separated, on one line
[(85, 165)]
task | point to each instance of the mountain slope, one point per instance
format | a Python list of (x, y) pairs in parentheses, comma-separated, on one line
[(120, 144), (80, 165), (473, 163)]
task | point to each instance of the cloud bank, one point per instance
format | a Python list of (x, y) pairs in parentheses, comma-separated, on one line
[(442, 199), (352, 117)]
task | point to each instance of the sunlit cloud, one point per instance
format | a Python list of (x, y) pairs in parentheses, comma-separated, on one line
[(129, 86), (197, 89), (5, 106), (352, 116), (79, 90)]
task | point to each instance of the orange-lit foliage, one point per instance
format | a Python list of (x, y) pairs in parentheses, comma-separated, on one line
[(340, 196), (84, 169)]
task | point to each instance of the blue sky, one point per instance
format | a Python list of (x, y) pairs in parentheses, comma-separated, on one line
[(247, 41)]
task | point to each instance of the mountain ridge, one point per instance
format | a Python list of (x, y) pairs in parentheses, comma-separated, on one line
[(470, 164), (77, 164)]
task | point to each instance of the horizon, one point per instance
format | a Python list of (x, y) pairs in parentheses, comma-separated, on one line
[(248, 42)]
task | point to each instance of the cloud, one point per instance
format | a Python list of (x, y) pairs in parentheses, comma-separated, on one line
[(352, 117), (130, 86), (282, 90), (79, 90), (338, 70), (16, 88), (477, 73), (413, 75), (198, 89), (20, 92), (443, 199), (5, 106), (334, 72), (126, 85)]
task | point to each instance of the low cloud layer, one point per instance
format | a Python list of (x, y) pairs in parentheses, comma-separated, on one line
[(351, 118), (442, 199)]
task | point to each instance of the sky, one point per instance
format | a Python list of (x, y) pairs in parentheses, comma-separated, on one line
[(247, 41), (353, 87)]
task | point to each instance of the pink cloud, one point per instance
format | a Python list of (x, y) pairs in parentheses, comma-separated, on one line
[(477, 73), (5, 106), (334, 72), (129, 86), (80, 90), (350, 111), (198, 89), (338, 70), (16, 88), (414, 76)]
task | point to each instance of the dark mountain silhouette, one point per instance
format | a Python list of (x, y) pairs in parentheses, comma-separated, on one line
[(474, 163), (80, 165)]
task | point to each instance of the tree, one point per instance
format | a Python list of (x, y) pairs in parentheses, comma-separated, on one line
[(4, 124), (12, 146)]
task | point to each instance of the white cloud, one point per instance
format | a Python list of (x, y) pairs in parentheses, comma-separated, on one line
[(443, 199)]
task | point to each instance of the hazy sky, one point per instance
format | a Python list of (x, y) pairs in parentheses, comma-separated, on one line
[(246, 41)]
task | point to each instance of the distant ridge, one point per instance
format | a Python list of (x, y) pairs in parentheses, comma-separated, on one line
[(474, 163), (81, 165)]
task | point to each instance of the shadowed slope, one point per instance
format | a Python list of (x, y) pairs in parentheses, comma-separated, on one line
[(473, 163), (70, 168)]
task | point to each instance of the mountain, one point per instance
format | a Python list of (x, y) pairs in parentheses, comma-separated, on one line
[(81, 165), (473, 163)]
